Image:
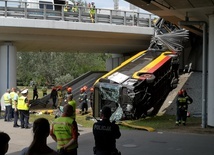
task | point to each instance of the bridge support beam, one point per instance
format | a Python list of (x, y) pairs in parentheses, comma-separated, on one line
[(7, 67), (210, 105), (205, 82)]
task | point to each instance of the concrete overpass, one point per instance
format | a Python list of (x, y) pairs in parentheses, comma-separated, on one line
[(32, 28), (198, 17), (26, 26)]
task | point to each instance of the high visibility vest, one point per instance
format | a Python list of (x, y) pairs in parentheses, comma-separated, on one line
[(7, 100), (74, 105), (63, 132), (21, 104), (44, 89), (12, 95), (182, 102), (92, 10), (74, 8)]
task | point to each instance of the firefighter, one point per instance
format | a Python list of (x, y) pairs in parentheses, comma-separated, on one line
[(83, 101), (105, 134), (60, 96), (68, 92), (183, 100), (44, 90), (91, 96), (54, 96)]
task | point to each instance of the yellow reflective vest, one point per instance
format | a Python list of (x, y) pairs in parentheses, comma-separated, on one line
[(22, 105), (7, 99), (62, 129), (12, 95), (74, 105)]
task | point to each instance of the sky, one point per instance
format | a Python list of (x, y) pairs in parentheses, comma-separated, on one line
[(109, 4)]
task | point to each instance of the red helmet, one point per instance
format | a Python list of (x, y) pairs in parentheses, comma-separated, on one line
[(85, 88), (184, 91), (69, 89), (180, 92)]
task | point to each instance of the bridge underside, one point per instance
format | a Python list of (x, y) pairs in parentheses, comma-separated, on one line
[(61, 36)]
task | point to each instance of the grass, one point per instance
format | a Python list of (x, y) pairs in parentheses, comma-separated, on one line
[(164, 122), (159, 123), (30, 91)]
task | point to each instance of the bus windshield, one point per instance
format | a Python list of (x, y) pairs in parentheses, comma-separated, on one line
[(109, 92)]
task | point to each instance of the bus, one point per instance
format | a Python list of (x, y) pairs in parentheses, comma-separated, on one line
[(138, 87)]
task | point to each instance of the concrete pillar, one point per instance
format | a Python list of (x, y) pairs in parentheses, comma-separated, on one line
[(7, 67), (114, 61), (210, 96)]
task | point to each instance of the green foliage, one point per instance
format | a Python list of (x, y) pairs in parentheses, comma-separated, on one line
[(63, 79), (56, 67)]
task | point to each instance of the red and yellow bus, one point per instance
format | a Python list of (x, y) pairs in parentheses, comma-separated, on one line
[(138, 85)]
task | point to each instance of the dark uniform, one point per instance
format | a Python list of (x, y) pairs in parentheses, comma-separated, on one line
[(83, 101), (183, 101), (105, 135)]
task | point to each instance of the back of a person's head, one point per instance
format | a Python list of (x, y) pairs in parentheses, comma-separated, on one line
[(68, 110), (106, 111), (41, 128), (4, 140)]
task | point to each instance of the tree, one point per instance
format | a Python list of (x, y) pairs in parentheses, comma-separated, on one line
[(56, 67)]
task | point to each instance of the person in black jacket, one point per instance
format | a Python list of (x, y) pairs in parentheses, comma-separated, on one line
[(54, 95), (105, 134), (183, 100)]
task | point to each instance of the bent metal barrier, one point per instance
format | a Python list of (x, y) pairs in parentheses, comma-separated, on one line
[(49, 11)]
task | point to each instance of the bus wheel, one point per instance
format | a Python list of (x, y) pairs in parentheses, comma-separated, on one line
[(149, 77)]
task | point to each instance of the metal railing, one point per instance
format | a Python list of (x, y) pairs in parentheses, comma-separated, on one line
[(49, 11)]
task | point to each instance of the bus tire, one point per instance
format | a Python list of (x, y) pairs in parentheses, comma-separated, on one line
[(149, 77)]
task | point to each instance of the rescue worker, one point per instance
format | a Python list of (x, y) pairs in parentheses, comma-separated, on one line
[(91, 96), (68, 92), (183, 100), (53, 96), (83, 101), (23, 107), (60, 96), (14, 96), (105, 134), (75, 7), (92, 11), (44, 90), (35, 93), (66, 7), (8, 106), (65, 132), (73, 103)]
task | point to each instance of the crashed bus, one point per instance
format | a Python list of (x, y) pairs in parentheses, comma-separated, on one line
[(139, 84), (138, 87)]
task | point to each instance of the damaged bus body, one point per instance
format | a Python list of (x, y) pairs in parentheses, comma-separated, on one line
[(139, 84)]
